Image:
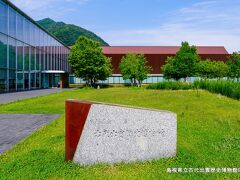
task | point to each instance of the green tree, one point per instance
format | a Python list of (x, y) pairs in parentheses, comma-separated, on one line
[(88, 61), (234, 66), (183, 65), (142, 69), (220, 69), (204, 69), (212, 69), (134, 67)]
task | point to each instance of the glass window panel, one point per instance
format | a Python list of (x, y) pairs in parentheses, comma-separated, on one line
[(12, 22), (127, 81), (37, 35), (37, 59), (3, 80), (19, 81), (3, 51), (121, 80), (26, 81), (3, 17), (38, 84), (33, 86), (32, 57), (32, 35), (20, 56), (26, 58), (26, 31), (110, 80), (155, 79), (42, 60), (12, 80), (20, 20), (12, 53), (46, 60)]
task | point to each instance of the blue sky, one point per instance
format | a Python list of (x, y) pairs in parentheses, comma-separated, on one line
[(147, 22)]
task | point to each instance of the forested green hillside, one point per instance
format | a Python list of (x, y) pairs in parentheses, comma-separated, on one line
[(68, 33)]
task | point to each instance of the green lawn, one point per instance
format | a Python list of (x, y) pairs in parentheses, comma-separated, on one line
[(208, 136)]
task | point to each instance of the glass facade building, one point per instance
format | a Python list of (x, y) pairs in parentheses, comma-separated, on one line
[(118, 79), (30, 57)]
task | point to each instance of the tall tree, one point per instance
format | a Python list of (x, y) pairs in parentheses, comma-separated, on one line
[(184, 64), (212, 69), (88, 61), (142, 69), (234, 66), (134, 67)]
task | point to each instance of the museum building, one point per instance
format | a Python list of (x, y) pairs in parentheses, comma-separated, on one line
[(156, 57), (30, 57)]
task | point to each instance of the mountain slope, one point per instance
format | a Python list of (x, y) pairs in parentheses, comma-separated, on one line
[(68, 33)]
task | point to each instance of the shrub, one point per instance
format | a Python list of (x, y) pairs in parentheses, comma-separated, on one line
[(212, 69), (234, 66), (171, 85), (227, 88), (224, 87)]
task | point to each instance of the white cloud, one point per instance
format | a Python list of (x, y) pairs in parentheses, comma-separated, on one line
[(205, 23), (47, 8), (173, 35), (30, 5)]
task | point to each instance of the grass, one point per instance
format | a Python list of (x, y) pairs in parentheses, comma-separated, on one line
[(208, 136)]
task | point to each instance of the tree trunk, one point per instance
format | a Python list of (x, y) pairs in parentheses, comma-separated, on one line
[(131, 82), (139, 83), (135, 83), (91, 83), (94, 81)]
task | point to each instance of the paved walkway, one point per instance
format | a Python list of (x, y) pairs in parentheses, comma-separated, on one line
[(11, 97), (16, 127)]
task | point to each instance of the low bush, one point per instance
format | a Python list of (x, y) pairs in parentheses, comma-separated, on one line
[(171, 85), (227, 88), (224, 87)]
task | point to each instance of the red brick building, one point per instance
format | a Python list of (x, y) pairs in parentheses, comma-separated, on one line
[(157, 55)]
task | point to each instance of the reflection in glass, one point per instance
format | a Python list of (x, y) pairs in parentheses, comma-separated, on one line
[(12, 53), (12, 22), (3, 17), (12, 80), (33, 85), (3, 51), (26, 81), (26, 58)]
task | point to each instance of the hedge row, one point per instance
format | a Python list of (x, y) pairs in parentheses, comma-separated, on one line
[(224, 87), (171, 85), (227, 88)]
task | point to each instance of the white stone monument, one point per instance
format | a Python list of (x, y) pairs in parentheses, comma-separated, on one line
[(115, 133)]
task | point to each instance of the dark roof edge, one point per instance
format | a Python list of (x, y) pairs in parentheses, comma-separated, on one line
[(165, 46), (169, 47), (32, 20)]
